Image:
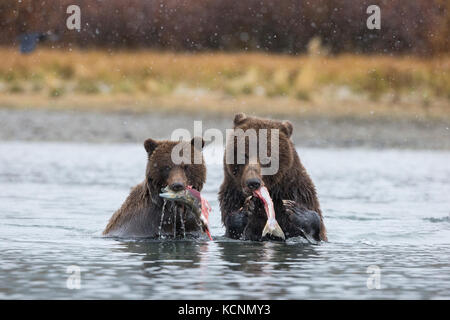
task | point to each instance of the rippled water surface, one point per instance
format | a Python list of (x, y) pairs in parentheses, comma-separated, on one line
[(385, 209)]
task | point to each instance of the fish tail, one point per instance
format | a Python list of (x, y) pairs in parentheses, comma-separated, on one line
[(275, 230)]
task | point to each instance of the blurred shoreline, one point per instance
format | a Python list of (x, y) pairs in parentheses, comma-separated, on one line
[(346, 100), (147, 81), (132, 127)]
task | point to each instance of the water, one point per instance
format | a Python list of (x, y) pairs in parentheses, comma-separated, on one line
[(385, 209)]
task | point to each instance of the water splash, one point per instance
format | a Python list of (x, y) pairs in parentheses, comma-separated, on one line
[(162, 217), (175, 223), (182, 225)]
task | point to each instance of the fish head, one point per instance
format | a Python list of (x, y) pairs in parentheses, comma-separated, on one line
[(187, 196)]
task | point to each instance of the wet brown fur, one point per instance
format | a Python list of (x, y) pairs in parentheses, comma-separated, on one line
[(140, 214), (291, 182)]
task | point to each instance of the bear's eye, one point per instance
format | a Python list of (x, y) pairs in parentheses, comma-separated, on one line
[(166, 169)]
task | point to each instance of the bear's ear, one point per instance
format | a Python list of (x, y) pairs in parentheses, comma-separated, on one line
[(150, 145), (239, 118), (287, 128), (198, 142)]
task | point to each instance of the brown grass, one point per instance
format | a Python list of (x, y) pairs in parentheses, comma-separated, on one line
[(221, 82)]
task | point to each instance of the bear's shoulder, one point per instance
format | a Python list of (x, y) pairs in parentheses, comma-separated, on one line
[(136, 201)]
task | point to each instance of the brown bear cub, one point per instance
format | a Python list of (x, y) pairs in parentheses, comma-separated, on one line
[(144, 213), (293, 193)]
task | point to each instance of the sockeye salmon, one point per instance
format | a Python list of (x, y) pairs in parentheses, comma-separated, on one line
[(194, 200), (272, 227)]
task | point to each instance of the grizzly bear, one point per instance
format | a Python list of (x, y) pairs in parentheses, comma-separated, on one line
[(293, 193), (144, 213)]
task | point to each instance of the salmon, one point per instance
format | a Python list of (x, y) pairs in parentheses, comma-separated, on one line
[(194, 200), (272, 227)]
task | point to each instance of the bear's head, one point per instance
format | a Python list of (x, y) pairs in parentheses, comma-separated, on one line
[(279, 154), (165, 170)]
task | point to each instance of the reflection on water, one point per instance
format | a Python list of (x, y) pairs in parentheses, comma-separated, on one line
[(263, 258), (157, 255), (384, 208)]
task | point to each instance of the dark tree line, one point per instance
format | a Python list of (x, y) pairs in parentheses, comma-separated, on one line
[(420, 27)]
